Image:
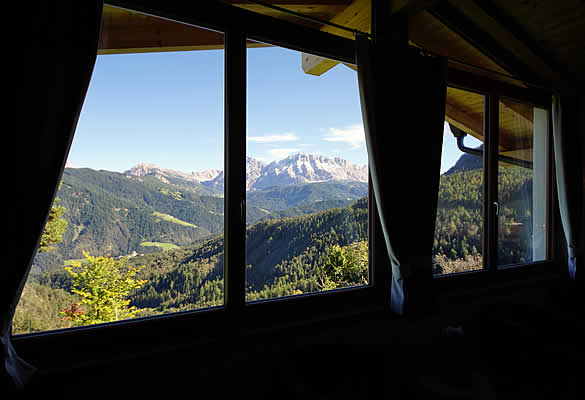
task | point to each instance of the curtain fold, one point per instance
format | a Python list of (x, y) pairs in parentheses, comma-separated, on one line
[(568, 114), (54, 79), (402, 95)]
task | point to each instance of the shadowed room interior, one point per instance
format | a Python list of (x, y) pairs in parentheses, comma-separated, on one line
[(510, 75)]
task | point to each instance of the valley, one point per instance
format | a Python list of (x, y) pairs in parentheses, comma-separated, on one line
[(171, 225)]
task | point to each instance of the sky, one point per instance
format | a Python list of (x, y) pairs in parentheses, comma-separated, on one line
[(167, 109)]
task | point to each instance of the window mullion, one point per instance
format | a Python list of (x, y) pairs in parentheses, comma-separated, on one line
[(235, 169), (490, 195)]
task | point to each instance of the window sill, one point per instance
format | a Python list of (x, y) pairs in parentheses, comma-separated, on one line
[(501, 277), (78, 347)]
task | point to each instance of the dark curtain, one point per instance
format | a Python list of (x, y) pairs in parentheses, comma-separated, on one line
[(402, 95), (60, 41), (568, 114)]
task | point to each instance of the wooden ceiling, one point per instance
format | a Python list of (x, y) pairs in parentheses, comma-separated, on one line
[(538, 40)]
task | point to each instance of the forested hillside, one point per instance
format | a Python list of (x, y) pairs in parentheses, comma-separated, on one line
[(113, 213), (459, 225), (120, 214), (284, 257), (296, 230)]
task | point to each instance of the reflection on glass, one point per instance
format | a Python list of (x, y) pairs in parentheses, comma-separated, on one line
[(522, 183), (137, 229), (459, 226), (307, 179)]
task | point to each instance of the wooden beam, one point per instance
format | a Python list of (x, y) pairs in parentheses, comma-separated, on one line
[(323, 8), (351, 66), (549, 63), (126, 31), (315, 65), (260, 28), (409, 8), (469, 81), (296, 3), (356, 16), (483, 41), (427, 32), (472, 124), (469, 123), (522, 110)]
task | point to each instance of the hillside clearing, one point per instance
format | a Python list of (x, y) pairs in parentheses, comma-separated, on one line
[(170, 218), (163, 246)]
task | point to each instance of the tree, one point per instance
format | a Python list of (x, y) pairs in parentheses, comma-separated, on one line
[(104, 285), (72, 313), (345, 266), (54, 228)]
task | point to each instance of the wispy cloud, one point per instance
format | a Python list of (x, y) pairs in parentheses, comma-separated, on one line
[(274, 138), (280, 153), (352, 135)]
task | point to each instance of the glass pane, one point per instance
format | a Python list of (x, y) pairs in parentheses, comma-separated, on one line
[(307, 178), (140, 207), (522, 183), (459, 227)]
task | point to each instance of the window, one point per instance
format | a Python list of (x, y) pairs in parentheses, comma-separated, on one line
[(306, 178), (138, 228), (145, 193), (522, 183), (138, 224), (504, 223), (458, 244)]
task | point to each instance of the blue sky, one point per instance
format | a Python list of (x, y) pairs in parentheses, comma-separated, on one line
[(167, 109)]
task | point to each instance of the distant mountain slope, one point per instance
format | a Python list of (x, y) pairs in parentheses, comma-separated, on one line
[(308, 168), (282, 197), (282, 256), (152, 208), (294, 169), (467, 162), (113, 213), (253, 170), (182, 180)]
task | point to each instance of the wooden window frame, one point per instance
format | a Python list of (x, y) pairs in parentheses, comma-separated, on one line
[(493, 91), (235, 316), (68, 348)]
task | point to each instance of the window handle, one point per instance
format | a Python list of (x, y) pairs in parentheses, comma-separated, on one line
[(497, 208)]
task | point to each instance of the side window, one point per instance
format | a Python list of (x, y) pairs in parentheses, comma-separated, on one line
[(520, 200), (522, 183), (458, 244)]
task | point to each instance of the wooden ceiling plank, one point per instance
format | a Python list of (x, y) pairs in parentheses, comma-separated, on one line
[(427, 32), (520, 110), (284, 3), (130, 32), (512, 26), (356, 16), (467, 29), (558, 27), (471, 124)]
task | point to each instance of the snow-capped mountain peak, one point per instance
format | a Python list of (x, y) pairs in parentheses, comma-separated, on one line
[(296, 168), (307, 168)]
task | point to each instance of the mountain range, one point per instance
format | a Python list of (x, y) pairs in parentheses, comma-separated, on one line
[(291, 229), (149, 208), (294, 169), (467, 162)]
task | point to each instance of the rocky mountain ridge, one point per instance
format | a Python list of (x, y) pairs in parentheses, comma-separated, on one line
[(296, 168)]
